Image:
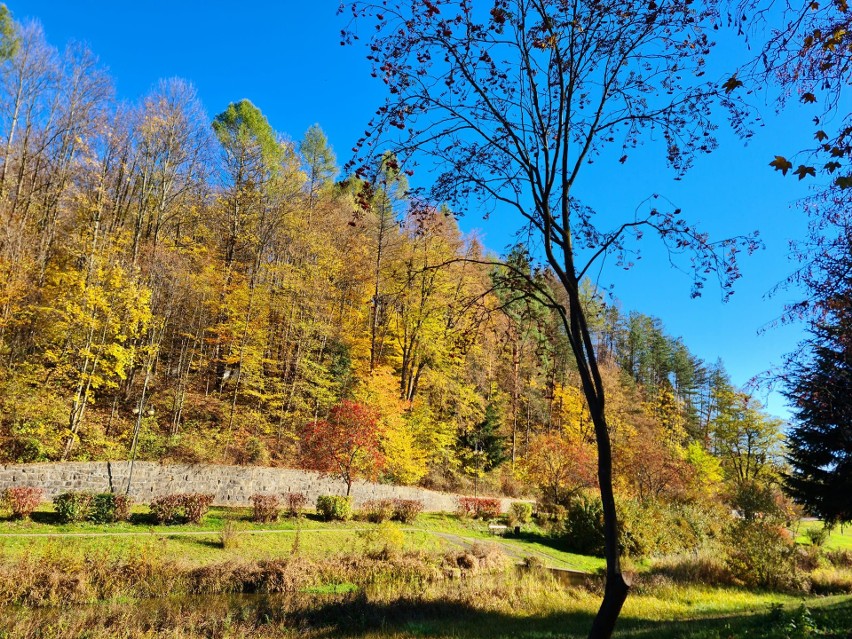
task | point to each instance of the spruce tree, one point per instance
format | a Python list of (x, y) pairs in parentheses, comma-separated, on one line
[(820, 441)]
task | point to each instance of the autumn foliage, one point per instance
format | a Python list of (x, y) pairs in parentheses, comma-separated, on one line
[(346, 445)]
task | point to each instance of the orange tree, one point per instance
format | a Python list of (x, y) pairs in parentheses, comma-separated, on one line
[(505, 105), (346, 445)]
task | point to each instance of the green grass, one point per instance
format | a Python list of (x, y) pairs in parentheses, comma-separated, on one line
[(331, 589), (530, 604), (839, 539), (503, 605), (255, 541)]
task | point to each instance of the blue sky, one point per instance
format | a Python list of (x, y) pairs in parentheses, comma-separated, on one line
[(286, 57)]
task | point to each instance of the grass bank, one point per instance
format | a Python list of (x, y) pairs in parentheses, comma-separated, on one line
[(493, 605), (200, 544)]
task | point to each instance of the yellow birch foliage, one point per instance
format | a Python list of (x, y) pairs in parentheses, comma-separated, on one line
[(406, 457)]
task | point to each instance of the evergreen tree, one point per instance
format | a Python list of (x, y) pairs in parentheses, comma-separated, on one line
[(482, 447), (820, 442)]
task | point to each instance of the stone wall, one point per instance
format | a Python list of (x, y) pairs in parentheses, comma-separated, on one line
[(232, 485)]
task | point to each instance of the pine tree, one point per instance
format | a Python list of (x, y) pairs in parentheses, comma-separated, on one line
[(820, 442), (482, 447)]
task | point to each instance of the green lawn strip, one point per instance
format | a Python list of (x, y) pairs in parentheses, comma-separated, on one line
[(206, 548), (200, 543), (557, 558), (839, 539)]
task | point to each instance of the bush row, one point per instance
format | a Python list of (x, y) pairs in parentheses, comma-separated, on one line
[(78, 506), (402, 510), (71, 507)]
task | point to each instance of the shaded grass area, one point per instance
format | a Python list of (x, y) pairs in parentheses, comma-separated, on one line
[(494, 606)]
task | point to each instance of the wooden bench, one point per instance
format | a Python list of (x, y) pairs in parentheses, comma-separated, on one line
[(497, 529)]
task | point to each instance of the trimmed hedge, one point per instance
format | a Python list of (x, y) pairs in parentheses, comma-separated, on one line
[(181, 507), (378, 510), (296, 504), (479, 507), (407, 510), (265, 508), (521, 511), (72, 507), (334, 507), (22, 500)]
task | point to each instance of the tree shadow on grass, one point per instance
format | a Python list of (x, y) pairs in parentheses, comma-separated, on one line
[(554, 542), (354, 616), (41, 517)]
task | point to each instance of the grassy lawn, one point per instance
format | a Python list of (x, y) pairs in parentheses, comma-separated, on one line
[(511, 603), (256, 541), (839, 539)]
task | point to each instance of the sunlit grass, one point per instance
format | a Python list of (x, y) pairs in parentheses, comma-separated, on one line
[(839, 538)]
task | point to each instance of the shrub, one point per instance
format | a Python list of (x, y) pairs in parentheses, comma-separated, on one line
[(230, 536), (22, 500), (190, 507), (384, 541), (407, 510), (762, 554), (818, 536), (334, 507), (521, 511), (195, 506), (467, 507), (378, 510), (584, 527), (840, 558), (107, 508), (296, 503), (265, 508), (166, 509), (705, 568), (829, 581), (488, 508), (480, 507), (122, 507), (72, 507)]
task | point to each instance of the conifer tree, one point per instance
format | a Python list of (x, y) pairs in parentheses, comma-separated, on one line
[(820, 442)]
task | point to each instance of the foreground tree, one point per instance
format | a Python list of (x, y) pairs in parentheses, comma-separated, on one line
[(820, 441), (509, 105), (346, 445)]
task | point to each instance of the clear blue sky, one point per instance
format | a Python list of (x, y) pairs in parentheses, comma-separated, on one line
[(285, 56)]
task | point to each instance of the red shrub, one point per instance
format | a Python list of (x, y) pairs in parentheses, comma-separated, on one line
[(406, 510), (195, 506), (266, 508), (22, 500), (467, 506), (296, 503), (166, 508), (122, 507), (480, 507), (378, 510)]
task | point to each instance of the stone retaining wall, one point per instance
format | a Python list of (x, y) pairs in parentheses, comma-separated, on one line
[(232, 485)]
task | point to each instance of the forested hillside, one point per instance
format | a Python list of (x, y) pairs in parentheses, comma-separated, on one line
[(176, 287)]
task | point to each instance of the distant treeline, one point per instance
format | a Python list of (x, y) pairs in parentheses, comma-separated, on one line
[(177, 288)]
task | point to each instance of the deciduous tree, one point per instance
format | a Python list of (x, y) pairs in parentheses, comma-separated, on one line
[(510, 104), (346, 445)]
